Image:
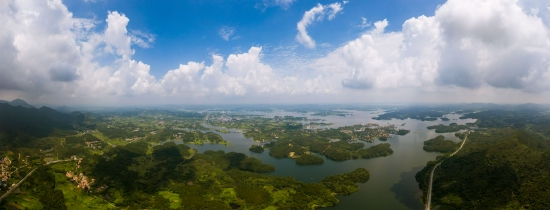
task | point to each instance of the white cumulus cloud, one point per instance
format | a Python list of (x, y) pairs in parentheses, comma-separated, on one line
[(316, 13), (468, 44)]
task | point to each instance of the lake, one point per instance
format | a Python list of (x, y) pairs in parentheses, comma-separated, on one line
[(392, 183)]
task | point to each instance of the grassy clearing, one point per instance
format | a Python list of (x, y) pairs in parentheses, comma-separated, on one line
[(64, 166), (175, 201), (228, 194), (117, 142), (24, 201), (149, 150)]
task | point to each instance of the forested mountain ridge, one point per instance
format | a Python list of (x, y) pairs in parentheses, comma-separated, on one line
[(496, 169), (20, 125)]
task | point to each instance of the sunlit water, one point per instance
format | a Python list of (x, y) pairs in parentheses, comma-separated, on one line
[(392, 183)]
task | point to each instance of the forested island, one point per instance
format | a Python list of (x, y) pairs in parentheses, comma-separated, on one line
[(290, 139), (263, 129), (418, 113), (309, 159), (345, 183), (439, 144), (453, 127), (339, 151), (403, 132), (256, 149), (332, 112)]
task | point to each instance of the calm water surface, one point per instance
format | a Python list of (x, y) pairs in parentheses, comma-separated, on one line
[(392, 184)]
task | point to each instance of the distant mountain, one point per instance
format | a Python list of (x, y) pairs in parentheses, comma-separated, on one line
[(34, 122), (531, 106), (17, 102)]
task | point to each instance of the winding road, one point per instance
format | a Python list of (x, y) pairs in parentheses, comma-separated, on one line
[(429, 196)]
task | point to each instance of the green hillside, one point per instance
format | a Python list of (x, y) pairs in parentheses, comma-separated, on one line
[(19, 126), (496, 169)]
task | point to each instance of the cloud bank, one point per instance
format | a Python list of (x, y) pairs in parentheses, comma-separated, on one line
[(483, 49)]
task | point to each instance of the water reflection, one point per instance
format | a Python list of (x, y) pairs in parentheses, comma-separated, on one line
[(406, 187)]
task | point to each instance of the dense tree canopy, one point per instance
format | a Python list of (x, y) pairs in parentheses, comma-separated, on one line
[(439, 144), (496, 169), (309, 159), (256, 149), (453, 127)]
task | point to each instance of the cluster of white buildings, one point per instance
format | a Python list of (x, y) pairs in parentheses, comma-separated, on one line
[(4, 174), (82, 181), (94, 144), (136, 138), (368, 132), (87, 131), (223, 119)]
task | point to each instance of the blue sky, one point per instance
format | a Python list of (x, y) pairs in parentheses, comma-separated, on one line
[(189, 30), (107, 52)]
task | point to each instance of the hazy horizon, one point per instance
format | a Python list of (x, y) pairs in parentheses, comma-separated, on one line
[(282, 106)]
